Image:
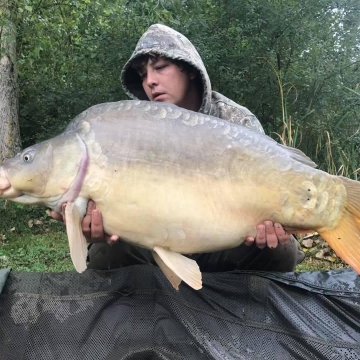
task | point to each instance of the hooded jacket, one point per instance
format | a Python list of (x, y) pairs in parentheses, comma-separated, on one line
[(165, 41)]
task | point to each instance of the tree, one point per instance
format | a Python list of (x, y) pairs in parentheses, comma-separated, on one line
[(9, 124)]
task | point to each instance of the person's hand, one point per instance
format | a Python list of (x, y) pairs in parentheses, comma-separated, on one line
[(92, 224), (270, 235), (58, 216)]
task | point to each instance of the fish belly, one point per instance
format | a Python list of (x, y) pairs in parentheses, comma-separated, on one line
[(184, 212)]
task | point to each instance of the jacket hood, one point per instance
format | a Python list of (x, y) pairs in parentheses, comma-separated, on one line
[(165, 41)]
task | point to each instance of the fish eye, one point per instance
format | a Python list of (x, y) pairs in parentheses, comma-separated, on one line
[(28, 156)]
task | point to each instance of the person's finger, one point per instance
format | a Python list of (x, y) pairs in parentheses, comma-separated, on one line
[(63, 207), (97, 229), (90, 207), (86, 223), (249, 241), (260, 238), (271, 238), (112, 239), (282, 235), (56, 216)]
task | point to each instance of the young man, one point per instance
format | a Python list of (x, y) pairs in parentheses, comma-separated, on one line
[(166, 67)]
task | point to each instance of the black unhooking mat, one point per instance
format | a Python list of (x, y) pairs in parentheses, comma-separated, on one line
[(133, 313)]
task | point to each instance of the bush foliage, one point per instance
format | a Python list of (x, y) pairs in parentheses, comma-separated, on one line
[(278, 58)]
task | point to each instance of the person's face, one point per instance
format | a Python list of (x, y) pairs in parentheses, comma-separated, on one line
[(164, 81)]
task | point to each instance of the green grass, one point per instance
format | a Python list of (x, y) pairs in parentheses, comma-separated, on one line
[(30, 240), (313, 264), (39, 253), (318, 255)]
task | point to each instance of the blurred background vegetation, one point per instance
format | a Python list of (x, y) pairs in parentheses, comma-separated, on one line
[(294, 64)]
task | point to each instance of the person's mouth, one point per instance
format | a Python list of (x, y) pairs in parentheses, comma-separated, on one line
[(157, 96)]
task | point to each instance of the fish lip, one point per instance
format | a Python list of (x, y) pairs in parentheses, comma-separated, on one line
[(11, 193), (5, 183)]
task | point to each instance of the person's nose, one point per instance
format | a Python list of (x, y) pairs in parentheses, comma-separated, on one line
[(151, 79)]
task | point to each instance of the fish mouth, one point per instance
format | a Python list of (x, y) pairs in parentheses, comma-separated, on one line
[(10, 193), (6, 190), (4, 182)]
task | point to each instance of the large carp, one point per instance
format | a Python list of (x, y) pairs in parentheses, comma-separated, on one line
[(179, 182)]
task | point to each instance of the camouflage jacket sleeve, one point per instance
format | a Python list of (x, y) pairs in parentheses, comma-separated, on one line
[(227, 109)]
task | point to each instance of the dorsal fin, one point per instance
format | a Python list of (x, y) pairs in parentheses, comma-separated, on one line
[(298, 155)]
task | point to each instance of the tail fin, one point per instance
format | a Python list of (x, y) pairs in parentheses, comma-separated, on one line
[(345, 238)]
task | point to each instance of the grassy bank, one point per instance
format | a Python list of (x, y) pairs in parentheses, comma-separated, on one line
[(30, 240), (43, 253)]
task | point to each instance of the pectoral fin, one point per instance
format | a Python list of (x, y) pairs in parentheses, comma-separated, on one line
[(177, 267), (170, 275), (77, 241)]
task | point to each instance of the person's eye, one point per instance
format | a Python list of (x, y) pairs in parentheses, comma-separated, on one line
[(160, 67)]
